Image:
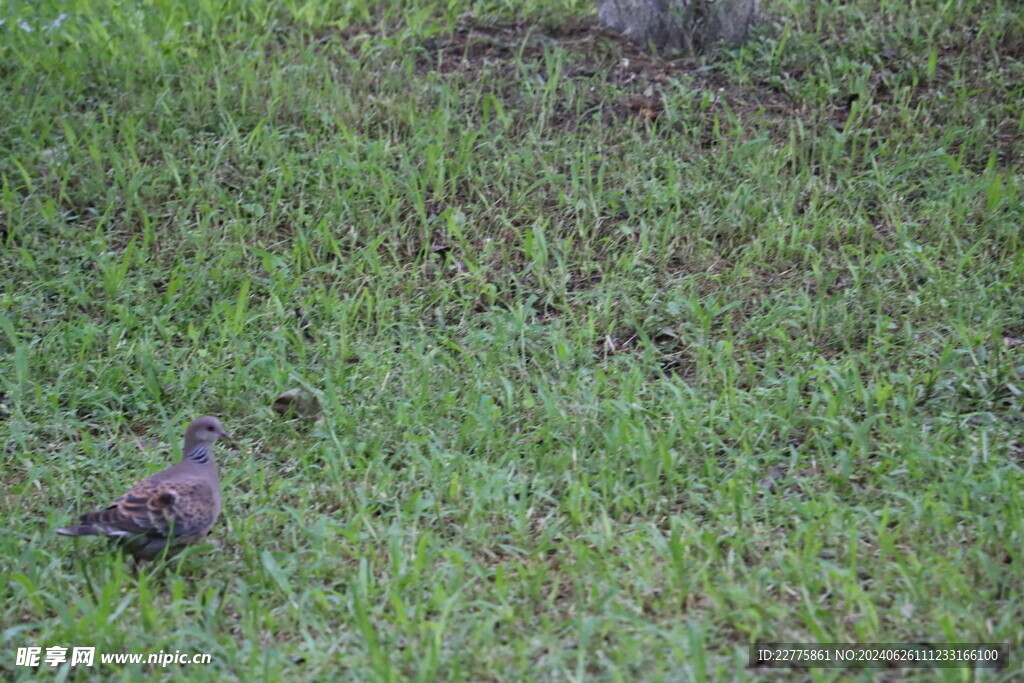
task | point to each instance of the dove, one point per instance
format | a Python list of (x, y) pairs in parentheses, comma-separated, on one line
[(174, 507)]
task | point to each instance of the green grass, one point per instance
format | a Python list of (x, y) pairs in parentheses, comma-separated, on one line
[(624, 364)]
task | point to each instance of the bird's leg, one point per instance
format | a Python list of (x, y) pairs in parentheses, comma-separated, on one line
[(88, 579)]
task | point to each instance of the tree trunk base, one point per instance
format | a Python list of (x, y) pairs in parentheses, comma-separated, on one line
[(669, 26)]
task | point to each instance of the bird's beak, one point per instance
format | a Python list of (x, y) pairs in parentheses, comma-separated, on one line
[(224, 435)]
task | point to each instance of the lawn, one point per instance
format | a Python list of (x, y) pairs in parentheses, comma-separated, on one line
[(622, 363)]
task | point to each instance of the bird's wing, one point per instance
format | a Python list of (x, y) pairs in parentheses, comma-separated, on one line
[(184, 507)]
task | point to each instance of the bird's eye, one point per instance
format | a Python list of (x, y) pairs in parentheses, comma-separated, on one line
[(209, 429)]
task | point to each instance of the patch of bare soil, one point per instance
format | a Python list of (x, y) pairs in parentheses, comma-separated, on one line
[(639, 76)]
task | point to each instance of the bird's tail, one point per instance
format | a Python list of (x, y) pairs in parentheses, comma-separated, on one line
[(81, 530)]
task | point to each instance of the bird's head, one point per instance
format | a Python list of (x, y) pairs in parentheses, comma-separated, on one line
[(206, 429)]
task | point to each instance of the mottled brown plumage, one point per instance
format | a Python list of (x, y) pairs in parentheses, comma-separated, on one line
[(173, 508)]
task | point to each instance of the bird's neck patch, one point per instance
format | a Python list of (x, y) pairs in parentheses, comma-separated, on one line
[(199, 453)]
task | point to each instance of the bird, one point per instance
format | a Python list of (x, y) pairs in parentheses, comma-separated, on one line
[(170, 509)]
